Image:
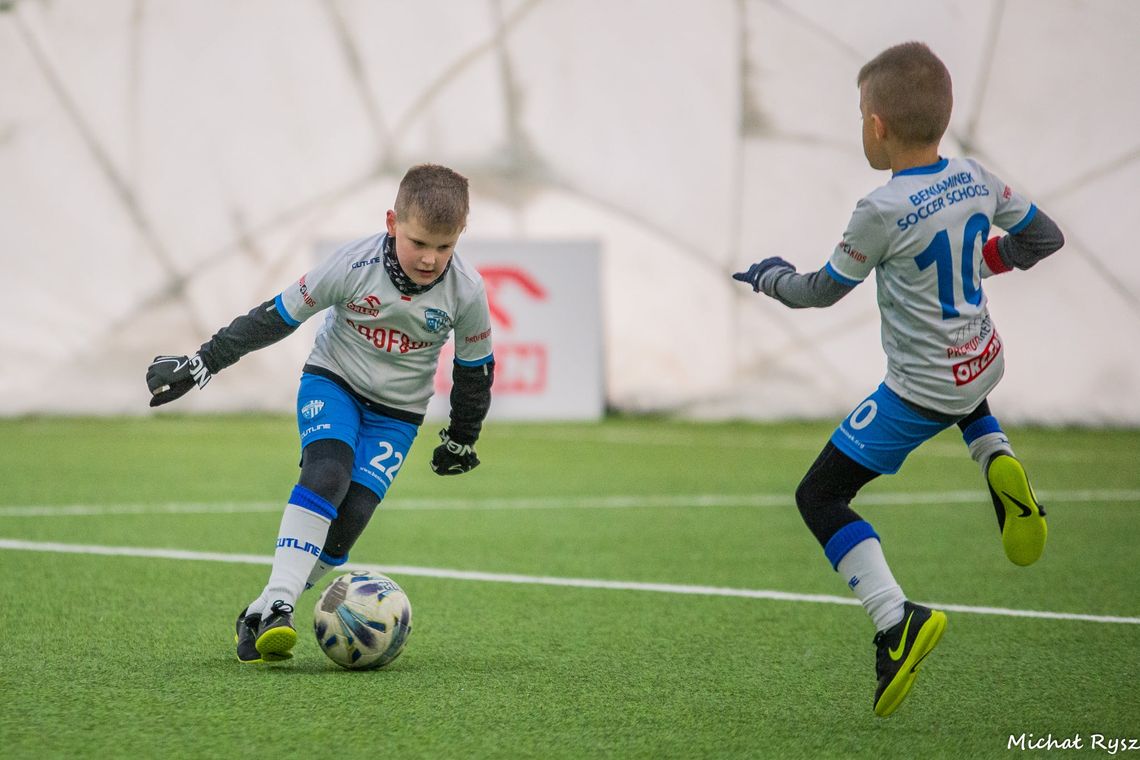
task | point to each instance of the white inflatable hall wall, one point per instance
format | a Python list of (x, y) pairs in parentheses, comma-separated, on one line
[(165, 165)]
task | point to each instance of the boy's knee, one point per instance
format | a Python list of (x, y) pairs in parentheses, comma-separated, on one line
[(326, 469), (327, 479), (809, 495), (823, 505)]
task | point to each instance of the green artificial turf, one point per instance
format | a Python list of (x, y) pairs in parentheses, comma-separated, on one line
[(126, 656)]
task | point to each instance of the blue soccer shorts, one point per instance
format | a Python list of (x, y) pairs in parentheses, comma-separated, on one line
[(325, 410), (883, 430)]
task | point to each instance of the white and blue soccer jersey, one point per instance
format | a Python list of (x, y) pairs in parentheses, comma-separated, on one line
[(383, 343), (922, 234)]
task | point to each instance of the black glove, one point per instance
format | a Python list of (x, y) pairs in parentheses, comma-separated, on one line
[(755, 276), (453, 457), (168, 377)]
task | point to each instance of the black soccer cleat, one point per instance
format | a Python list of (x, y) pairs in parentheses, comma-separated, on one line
[(276, 634), (245, 634), (900, 650), (1021, 518)]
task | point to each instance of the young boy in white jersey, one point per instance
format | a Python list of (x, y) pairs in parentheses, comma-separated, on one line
[(924, 234), (392, 299)]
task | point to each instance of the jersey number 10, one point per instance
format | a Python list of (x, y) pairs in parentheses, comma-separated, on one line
[(940, 254)]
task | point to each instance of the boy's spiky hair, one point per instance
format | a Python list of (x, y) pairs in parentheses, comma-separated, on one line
[(435, 196), (909, 88)]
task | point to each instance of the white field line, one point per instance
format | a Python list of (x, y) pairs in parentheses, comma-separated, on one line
[(789, 443), (536, 580), (1129, 497)]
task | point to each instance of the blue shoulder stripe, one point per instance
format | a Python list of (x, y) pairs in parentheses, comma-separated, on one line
[(840, 278), (1032, 212), (284, 312), (477, 362)]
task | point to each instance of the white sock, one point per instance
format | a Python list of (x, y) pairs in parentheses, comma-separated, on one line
[(324, 564), (299, 542), (986, 447), (868, 576)]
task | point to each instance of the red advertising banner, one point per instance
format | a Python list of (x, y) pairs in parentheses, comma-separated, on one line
[(546, 320)]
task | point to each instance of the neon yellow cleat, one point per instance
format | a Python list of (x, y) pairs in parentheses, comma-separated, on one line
[(245, 636), (276, 634), (900, 650), (1020, 516)]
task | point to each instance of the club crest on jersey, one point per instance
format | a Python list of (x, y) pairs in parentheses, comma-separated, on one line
[(437, 320), (312, 408)]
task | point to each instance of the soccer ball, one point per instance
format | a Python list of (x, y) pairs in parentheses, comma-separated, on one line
[(362, 620)]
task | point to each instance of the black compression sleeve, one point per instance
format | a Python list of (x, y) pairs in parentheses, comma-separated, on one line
[(470, 400), (261, 327), (1035, 241), (800, 291)]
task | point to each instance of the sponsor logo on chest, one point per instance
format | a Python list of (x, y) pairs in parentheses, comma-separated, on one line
[(388, 339), (369, 308)]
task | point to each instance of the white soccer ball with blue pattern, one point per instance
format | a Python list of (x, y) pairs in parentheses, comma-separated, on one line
[(363, 620)]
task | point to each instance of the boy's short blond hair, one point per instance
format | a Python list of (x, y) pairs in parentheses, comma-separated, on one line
[(909, 88), (435, 196)]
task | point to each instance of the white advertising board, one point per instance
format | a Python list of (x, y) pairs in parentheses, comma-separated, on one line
[(546, 327)]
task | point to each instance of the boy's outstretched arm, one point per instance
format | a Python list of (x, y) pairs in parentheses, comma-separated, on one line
[(1039, 238), (777, 278), (169, 377), (470, 402)]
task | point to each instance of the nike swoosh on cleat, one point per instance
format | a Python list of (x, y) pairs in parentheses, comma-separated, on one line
[(896, 653), (1025, 510)]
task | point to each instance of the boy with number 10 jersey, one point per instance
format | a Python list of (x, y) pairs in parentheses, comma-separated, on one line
[(921, 234), (925, 235)]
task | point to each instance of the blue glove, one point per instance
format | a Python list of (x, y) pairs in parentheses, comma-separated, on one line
[(763, 275)]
